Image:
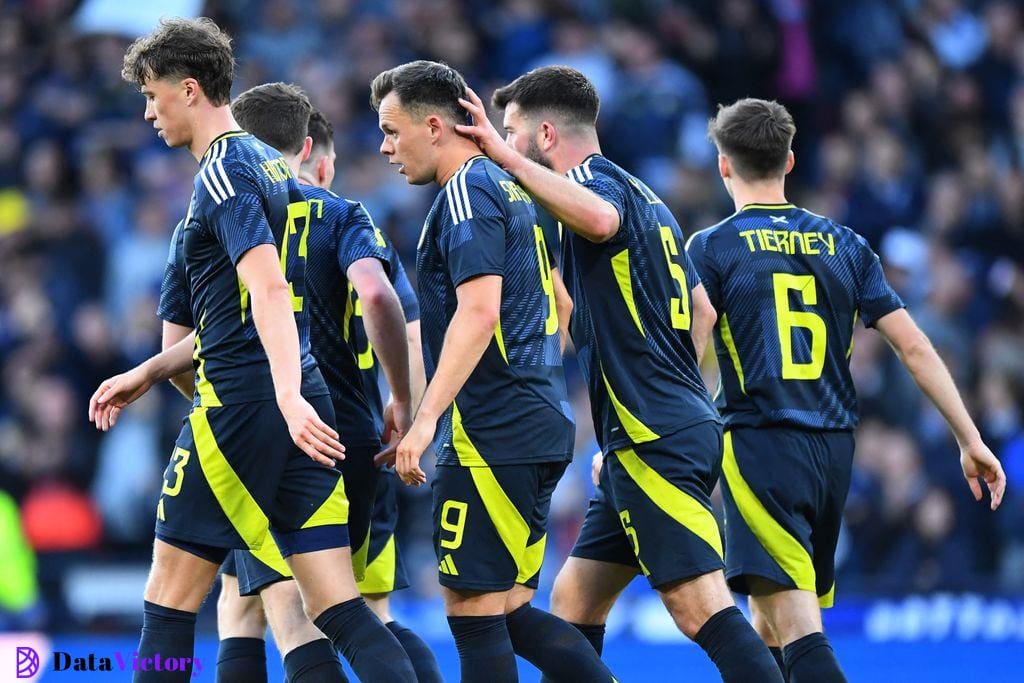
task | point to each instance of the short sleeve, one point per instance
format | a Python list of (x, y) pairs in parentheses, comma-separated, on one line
[(175, 300), (238, 219), (876, 297), (400, 281), (360, 239), (699, 260), (608, 189), (473, 241)]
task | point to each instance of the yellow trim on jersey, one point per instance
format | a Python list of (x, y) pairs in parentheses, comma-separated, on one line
[(237, 503), (380, 572), (637, 431), (620, 267), (768, 206), (849, 351), (207, 395), (500, 338), (790, 555), (730, 346), (334, 510), (673, 501), (510, 525)]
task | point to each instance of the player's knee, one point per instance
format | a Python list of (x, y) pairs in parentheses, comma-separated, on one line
[(569, 601), (693, 601)]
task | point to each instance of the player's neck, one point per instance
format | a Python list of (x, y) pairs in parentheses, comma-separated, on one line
[(453, 157), (573, 152), (771, 192), (209, 124)]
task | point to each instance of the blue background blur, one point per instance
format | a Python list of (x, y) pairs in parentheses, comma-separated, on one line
[(910, 118)]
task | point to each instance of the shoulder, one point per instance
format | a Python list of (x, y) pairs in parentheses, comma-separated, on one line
[(476, 190), (230, 165), (702, 238), (844, 234), (596, 167)]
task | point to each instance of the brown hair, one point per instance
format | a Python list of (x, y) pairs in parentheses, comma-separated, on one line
[(184, 48), (558, 89), (756, 136), (276, 113)]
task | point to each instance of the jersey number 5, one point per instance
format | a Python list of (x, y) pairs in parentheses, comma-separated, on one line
[(679, 306), (788, 320)]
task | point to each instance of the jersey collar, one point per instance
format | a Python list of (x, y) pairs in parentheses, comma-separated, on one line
[(770, 207), (222, 136)]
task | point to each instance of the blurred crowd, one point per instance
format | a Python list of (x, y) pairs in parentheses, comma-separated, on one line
[(910, 118)]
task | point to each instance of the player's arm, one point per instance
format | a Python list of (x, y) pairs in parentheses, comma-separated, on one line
[(385, 329), (417, 373), (184, 382), (259, 269), (704, 318), (118, 391), (577, 207), (563, 305), (469, 333), (920, 358)]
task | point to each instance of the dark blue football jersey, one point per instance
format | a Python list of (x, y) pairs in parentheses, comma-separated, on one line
[(632, 313), (368, 365), (514, 407), (788, 286), (245, 196), (340, 233), (175, 301)]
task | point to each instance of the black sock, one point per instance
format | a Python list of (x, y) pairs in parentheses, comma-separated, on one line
[(594, 633), (485, 649), (423, 660), (777, 653), (241, 660), (314, 662), (560, 651), (167, 634), (374, 653), (811, 659), (736, 649)]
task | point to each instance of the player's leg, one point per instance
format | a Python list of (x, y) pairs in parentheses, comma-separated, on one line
[(241, 628), (307, 655), (784, 491), (385, 573), (759, 620), (554, 646), (662, 491)]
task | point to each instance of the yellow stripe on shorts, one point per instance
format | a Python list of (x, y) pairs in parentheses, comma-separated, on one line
[(380, 572), (790, 555), (673, 501)]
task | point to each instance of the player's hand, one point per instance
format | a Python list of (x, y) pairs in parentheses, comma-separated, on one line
[(315, 437), (483, 131), (407, 462), (115, 393), (596, 463), (978, 461), (397, 420)]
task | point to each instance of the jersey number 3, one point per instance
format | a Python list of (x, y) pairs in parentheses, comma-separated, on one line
[(298, 225), (807, 289)]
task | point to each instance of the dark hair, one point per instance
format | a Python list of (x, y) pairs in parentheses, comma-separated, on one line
[(276, 113), (558, 89), (421, 86), (321, 130), (756, 136), (184, 48)]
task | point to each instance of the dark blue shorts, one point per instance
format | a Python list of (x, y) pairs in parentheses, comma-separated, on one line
[(784, 492), (490, 523), (237, 481), (385, 571), (652, 508)]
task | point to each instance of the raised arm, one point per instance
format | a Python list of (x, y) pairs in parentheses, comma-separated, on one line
[(579, 209), (918, 355)]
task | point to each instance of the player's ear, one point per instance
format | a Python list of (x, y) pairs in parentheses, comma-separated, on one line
[(191, 89), (790, 161), (548, 136), (321, 168), (307, 147), (723, 166), (436, 125)]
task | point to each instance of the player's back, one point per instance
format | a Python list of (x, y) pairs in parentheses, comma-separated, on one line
[(514, 407), (244, 196), (340, 233), (632, 315), (788, 286)]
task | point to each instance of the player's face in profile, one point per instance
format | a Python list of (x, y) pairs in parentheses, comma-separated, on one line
[(407, 141), (167, 110), (521, 135)]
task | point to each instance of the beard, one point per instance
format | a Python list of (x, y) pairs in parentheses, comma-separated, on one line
[(533, 153)]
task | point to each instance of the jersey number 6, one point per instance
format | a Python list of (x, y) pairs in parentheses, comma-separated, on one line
[(788, 320)]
